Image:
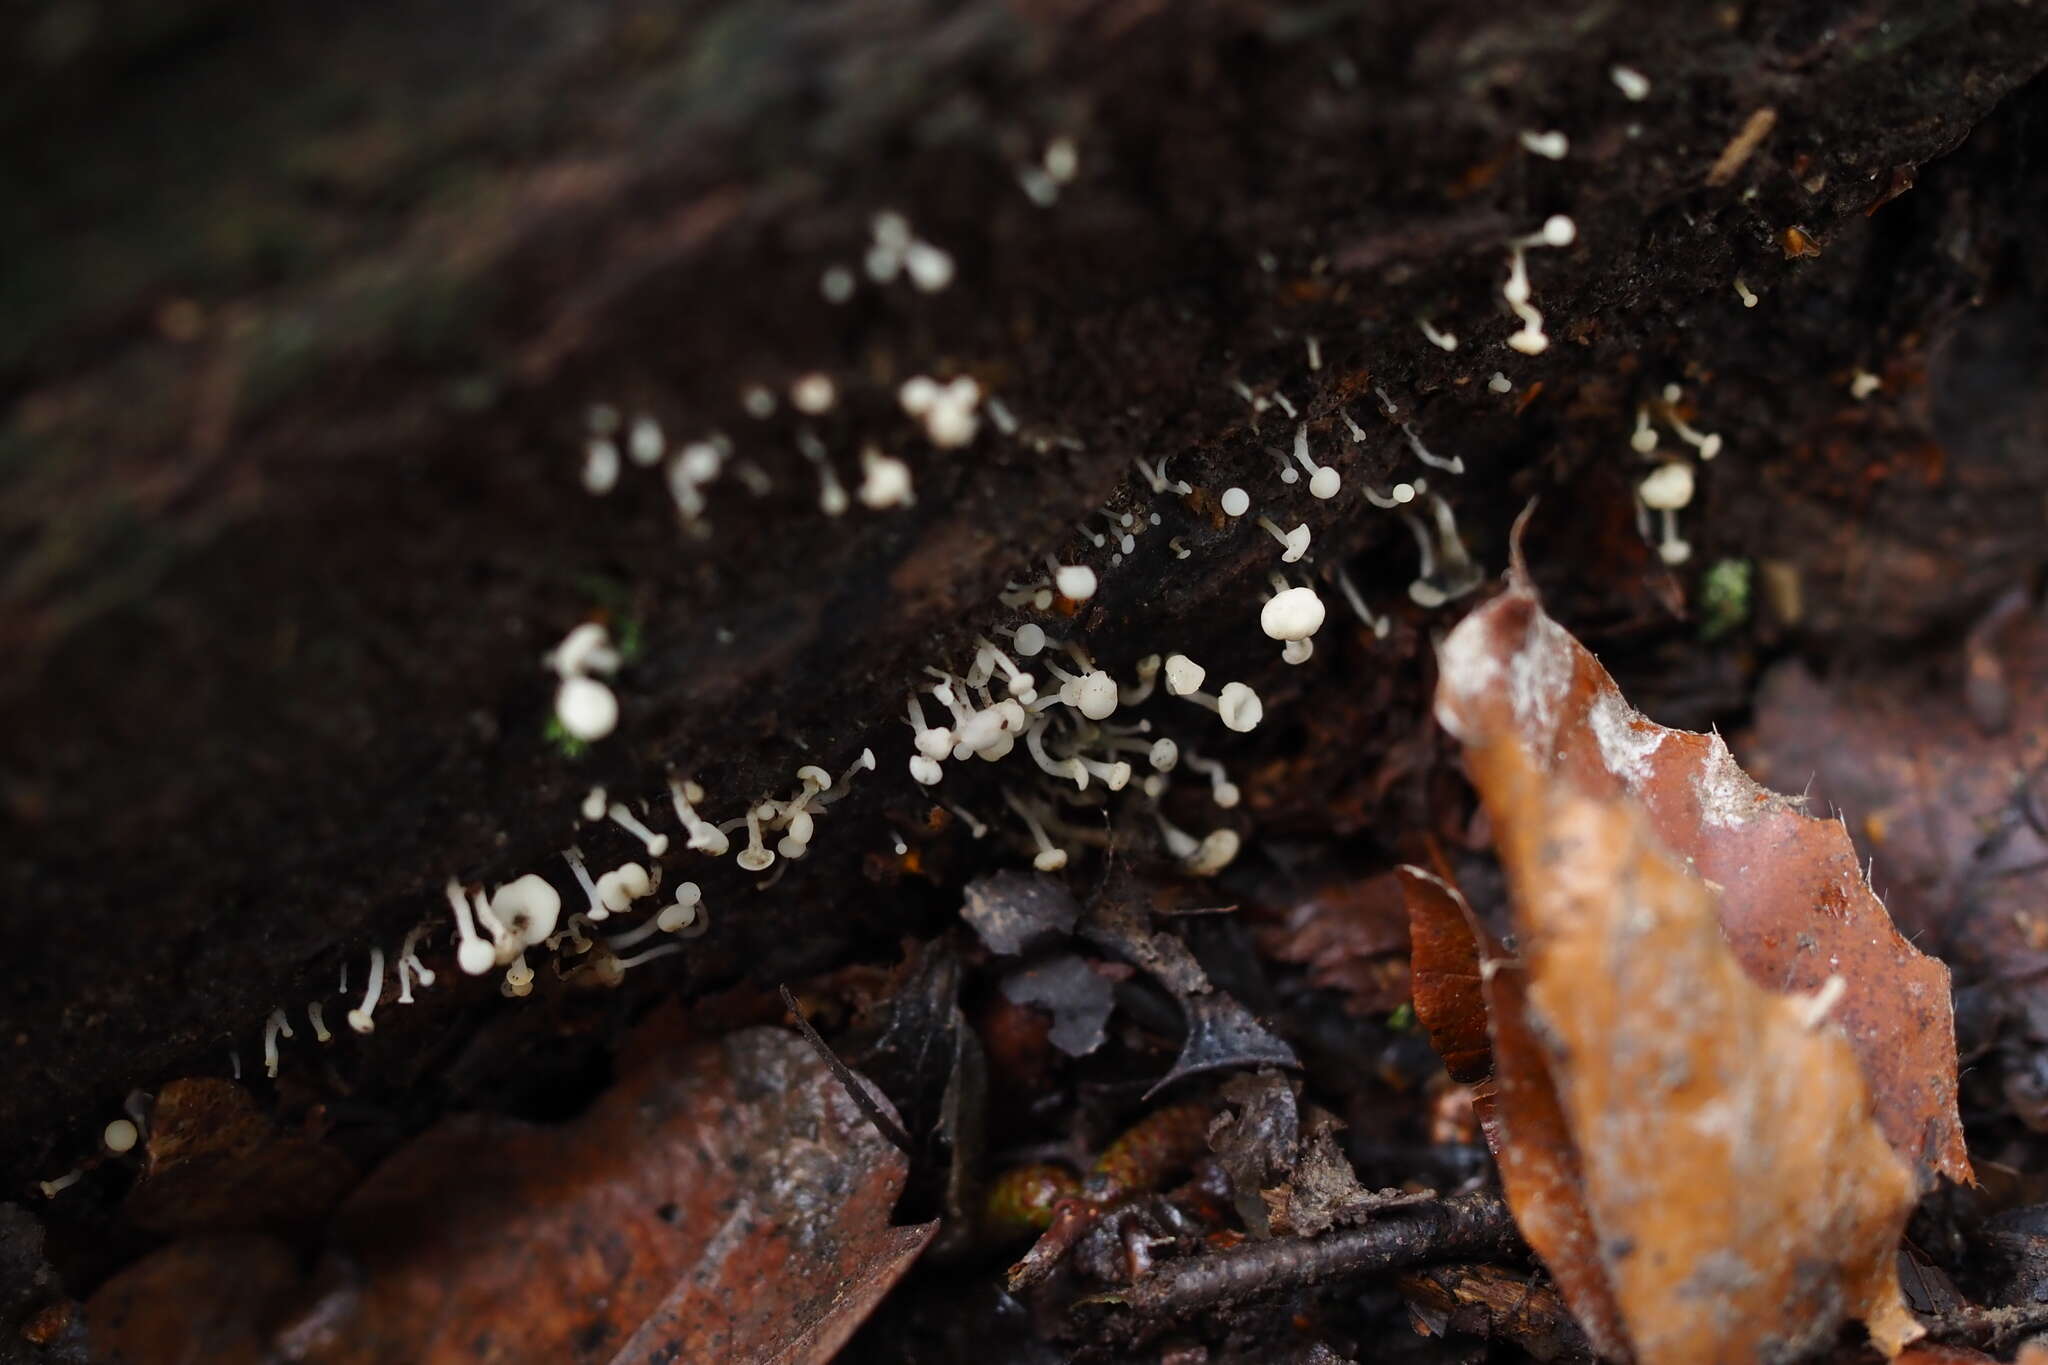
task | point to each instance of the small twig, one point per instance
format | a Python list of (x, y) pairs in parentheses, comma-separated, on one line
[(1988, 1325), (1477, 1223), (885, 1125)]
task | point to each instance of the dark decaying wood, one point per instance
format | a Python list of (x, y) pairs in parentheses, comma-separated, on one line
[(301, 312)]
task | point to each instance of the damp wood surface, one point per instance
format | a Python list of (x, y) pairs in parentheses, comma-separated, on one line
[(300, 315)]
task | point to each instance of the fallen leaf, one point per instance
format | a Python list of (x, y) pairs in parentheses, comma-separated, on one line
[(1487, 1301), (1223, 1034), (722, 1201), (1519, 1111), (1741, 1198), (1445, 950), (1348, 933), (1793, 901), (1945, 787), (1014, 911), (1078, 998)]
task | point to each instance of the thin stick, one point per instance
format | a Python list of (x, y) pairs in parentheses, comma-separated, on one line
[(1477, 1223), (855, 1090)]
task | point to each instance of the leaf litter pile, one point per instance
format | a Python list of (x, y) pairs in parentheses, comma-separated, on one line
[(1626, 1062)]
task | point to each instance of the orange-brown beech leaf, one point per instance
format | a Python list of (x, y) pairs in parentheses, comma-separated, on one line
[(1519, 1111), (1444, 956), (715, 1204), (1794, 904), (1742, 1196), (723, 1200)]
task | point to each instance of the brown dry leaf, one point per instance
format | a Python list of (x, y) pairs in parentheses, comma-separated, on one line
[(1946, 787), (723, 1201), (1487, 1301), (1743, 1198), (1525, 1124), (1794, 904), (1445, 951), (1349, 933)]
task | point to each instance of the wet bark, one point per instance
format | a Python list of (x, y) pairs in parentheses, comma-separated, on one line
[(304, 311)]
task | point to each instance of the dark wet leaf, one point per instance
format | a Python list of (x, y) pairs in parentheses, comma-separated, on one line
[(1255, 1139), (1223, 1034), (1015, 912), (1119, 922), (723, 1201), (1496, 1304), (1350, 934), (1323, 1191), (1078, 997)]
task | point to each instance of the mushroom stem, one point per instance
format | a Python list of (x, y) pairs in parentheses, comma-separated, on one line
[(1323, 481), (1221, 789), (1034, 740), (359, 1018), (705, 837), (1050, 857), (755, 857), (1379, 625), (1293, 544), (273, 1026), (657, 844), (472, 954)]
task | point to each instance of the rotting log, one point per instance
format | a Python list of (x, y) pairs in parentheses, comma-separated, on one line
[(303, 311)]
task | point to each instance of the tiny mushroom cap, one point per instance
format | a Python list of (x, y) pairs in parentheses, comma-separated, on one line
[(619, 888), (644, 442), (1217, 851), (1076, 582), (120, 1136), (683, 913), (1240, 707), (1163, 755), (930, 268), (587, 709), (528, 908), (1557, 230), (1183, 675), (885, 480), (1294, 614), (1095, 695), (925, 771), (1029, 639), (585, 649), (1668, 487), (518, 981), (1236, 502), (813, 393)]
